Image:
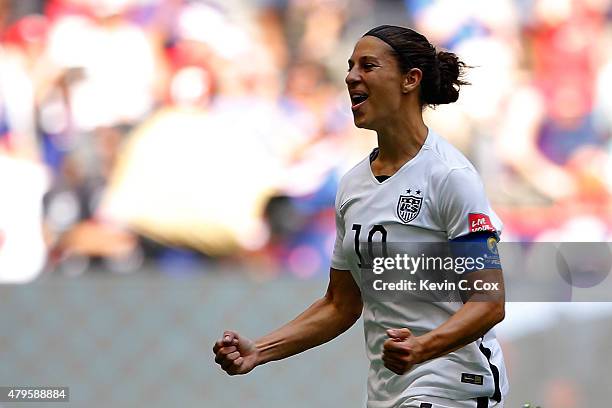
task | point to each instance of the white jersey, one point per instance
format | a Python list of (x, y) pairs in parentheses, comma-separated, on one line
[(435, 197)]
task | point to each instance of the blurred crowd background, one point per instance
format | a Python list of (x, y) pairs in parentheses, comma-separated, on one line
[(207, 138), (194, 134)]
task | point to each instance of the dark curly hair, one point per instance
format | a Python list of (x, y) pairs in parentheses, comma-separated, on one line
[(442, 71)]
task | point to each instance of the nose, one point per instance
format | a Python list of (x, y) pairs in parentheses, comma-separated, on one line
[(352, 77)]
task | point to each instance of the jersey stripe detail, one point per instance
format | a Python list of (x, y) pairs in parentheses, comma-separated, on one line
[(482, 402), (497, 394)]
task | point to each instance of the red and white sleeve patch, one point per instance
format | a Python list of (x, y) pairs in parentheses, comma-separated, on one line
[(479, 222)]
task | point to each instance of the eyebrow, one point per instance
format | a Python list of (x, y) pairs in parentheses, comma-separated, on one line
[(363, 57)]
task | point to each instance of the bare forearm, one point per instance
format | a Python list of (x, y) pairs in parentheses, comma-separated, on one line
[(471, 322), (318, 324)]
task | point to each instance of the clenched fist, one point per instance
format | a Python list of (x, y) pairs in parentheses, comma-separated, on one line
[(402, 351), (235, 354)]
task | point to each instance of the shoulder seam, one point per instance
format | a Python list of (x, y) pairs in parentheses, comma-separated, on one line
[(446, 164), (343, 182), (341, 208), (452, 169)]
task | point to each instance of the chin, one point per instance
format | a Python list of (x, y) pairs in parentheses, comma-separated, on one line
[(361, 123)]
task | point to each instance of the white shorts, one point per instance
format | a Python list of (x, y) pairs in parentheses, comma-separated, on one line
[(425, 401)]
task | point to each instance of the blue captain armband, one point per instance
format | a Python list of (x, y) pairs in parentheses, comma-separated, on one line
[(478, 245)]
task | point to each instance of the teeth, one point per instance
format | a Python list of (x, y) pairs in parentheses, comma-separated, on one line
[(359, 98)]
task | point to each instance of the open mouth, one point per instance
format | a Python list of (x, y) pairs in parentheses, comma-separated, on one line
[(358, 99)]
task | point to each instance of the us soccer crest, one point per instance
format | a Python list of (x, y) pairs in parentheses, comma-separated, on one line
[(408, 206)]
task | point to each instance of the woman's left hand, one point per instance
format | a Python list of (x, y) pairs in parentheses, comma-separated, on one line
[(402, 351)]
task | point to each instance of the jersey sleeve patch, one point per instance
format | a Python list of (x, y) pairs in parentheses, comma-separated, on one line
[(480, 222), (478, 245)]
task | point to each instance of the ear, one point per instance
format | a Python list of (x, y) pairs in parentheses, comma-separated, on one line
[(412, 79)]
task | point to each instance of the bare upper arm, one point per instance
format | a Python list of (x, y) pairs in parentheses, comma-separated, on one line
[(486, 285), (344, 292)]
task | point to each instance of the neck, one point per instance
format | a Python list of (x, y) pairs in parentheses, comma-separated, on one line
[(401, 139)]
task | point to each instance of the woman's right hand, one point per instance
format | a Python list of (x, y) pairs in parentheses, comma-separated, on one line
[(235, 354)]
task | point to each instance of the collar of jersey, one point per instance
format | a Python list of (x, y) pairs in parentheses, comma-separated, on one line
[(426, 143)]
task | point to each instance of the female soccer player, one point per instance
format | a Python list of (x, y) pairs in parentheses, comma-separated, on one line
[(415, 187)]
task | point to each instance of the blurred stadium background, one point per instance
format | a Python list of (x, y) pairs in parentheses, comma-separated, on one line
[(168, 170)]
